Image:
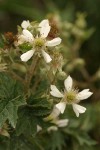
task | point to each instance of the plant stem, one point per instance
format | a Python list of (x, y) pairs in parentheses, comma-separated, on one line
[(30, 73), (16, 76)]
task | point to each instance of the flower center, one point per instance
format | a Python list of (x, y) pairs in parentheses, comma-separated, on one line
[(38, 43), (70, 96)]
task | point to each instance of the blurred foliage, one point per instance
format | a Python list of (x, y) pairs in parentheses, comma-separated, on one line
[(82, 133)]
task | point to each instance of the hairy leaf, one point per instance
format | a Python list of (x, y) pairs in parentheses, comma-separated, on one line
[(10, 100)]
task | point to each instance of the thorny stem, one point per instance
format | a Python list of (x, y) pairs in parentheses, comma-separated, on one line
[(51, 76), (85, 74), (54, 79), (30, 73), (81, 84), (30, 139), (35, 84), (15, 76), (11, 59), (75, 48)]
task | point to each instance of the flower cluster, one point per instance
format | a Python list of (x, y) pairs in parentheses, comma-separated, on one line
[(37, 43)]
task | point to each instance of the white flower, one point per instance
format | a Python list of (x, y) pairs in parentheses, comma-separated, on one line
[(70, 96), (25, 24), (39, 42)]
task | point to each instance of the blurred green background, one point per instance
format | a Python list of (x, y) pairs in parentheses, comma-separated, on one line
[(13, 12)]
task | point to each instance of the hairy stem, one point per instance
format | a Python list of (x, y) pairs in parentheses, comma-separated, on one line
[(30, 73)]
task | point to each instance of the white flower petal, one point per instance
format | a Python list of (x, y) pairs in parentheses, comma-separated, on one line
[(44, 28), (61, 106), (68, 83), (55, 92), (46, 56), (62, 122), (78, 109), (28, 36), (21, 39), (44, 23), (84, 94), (55, 113), (26, 56), (52, 128), (25, 24), (39, 128), (54, 42)]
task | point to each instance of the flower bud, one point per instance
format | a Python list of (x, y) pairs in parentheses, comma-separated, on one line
[(61, 75), (98, 74), (79, 63), (78, 32), (68, 25), (70, 67), (81, 22), (4, 130), (19, 67), (3, 67)]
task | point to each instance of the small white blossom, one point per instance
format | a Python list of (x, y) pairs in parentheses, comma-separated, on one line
[(39, 43), (70, 96)]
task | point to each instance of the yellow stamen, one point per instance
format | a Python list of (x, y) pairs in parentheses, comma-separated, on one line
[(38, 43), (70, 96)]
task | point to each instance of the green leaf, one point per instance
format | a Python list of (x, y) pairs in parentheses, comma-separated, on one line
[(10, 100), (56, 141), (8, 110), (19, 143), (40, 106), (27, 122), (40, 102), (29, 118), (41, 111), (84, 138)]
